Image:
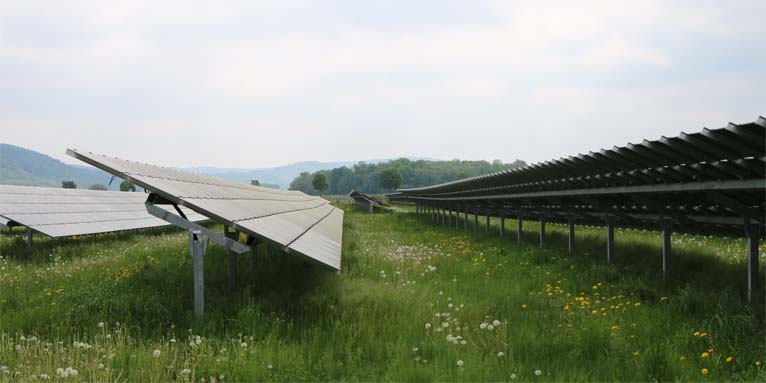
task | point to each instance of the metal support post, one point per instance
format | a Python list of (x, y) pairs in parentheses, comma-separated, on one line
[(520, 230), (502, 226), (465, 221), (571, 235), (234, 236), (666, 248), (752, 231), (198, 247), (449, 218), (542, 231), (609, 239), (29, 242), (487, 223)]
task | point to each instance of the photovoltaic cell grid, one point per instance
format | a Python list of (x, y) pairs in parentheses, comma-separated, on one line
[(297, 222), (58, 212), (706, 181)]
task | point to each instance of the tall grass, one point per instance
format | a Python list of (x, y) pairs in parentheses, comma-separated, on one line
[(415, 301)]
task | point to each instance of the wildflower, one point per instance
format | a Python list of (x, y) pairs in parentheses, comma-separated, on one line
[(44, 376), (445, 324), (757, 363), (538, 372), (704, 371), (156, 353), (243, 345), (729, 359), (704, 334), (696, 333), (663, 299), (496, 323), (100, 366), (415, 349), (513, 376), (269, 367), (638, 304), (500, 354), (524, 306), (682, 358), (460, 363), (185, 371), (100, 324), (483, 326), (636, 353), (704, 355), (428, 326), (108, 336)]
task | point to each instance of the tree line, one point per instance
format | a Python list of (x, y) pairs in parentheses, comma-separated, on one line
[(388, 176)]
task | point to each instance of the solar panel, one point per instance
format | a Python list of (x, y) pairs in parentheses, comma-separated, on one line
[(58, 212), (294, 221)]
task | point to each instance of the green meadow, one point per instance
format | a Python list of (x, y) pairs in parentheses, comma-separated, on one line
[(415, 302)]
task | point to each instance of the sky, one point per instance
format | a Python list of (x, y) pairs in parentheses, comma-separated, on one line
[(259, 84)]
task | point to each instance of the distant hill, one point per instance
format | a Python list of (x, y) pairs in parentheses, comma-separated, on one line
[(280, 175), (20, 166)]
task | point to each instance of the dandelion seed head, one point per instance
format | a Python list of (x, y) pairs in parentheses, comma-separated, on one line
[(538, 372), (156, 353), (460, 363)]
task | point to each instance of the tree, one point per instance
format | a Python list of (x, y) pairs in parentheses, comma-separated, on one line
[(255, 182), (390, 179), (68, 185), (319, 182), (127, 186), (97, 187)]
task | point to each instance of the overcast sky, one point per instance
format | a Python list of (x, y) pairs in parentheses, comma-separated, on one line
[(254, 84)]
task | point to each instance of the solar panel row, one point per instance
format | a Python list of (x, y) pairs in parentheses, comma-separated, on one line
[(58, 212), (292, 220)]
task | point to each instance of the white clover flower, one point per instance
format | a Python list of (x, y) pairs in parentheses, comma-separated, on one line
[(500, 354), (538, 372), (100, 324), (269, 367), (460, 363), (243, 345), (450, 305), (428, 326), (462, 342), (513, 376), (156, 353), (496, 323)]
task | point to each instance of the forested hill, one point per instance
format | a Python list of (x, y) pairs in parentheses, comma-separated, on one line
[(366, 178)]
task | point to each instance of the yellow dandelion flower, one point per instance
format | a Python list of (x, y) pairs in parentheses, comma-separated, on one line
[(524, 306), (757, 363), (704, 355), (704, 334), (594, 312), (635, 353), (638, 304), (729, 359), (682, 358), (705, 371), (663, 299), (696, 333)]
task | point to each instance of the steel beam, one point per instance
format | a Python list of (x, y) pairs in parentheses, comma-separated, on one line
[(752, 231), (666, 246), (184, 224)]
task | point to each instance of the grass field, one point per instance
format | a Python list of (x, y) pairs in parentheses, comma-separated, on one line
[(415, 302)]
